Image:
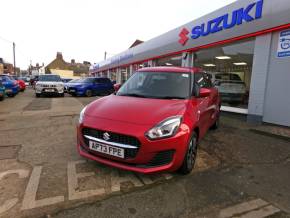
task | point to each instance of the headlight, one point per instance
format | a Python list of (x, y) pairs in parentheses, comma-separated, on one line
[(82, 114), (165, 129)]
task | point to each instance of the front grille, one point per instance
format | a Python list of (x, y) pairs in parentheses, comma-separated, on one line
[(48, 86), (114, 137), (161, 158)]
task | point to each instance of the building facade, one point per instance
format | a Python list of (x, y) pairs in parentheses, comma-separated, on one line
[(244, 46), (66, 69)]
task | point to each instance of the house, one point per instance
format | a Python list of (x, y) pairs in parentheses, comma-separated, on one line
[(69, 70), (8, 68), (36, 70)]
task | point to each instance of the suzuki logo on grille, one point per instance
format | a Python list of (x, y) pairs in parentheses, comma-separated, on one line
[(106, 136), (183, 36)]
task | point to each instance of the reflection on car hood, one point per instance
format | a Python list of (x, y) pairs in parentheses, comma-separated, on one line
[(75, 84), (143, 111)]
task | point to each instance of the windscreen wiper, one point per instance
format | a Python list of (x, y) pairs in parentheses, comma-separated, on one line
[(171, 97), (134, 95)]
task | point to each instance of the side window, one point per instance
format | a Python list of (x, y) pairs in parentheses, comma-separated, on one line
[(207, 79), (103, 80), (199, 80), (106, 80), (203, 80)]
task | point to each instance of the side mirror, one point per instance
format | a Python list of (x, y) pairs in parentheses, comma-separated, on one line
[(204, 92), (117, 87)]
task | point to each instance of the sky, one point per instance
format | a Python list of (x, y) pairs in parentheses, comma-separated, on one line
[(84, 29)]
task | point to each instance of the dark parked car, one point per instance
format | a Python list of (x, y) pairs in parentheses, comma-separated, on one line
[(90, 86)]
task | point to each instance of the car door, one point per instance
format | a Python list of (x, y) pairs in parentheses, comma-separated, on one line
[(99, 85), (201, 104), (213, 99)]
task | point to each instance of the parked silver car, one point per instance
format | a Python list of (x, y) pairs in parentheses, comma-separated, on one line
[(231, 88)]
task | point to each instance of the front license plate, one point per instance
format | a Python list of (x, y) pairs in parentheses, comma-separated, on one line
[(49, 90), (106, 149), (72, 90)]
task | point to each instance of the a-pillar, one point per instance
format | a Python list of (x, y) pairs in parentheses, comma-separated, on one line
[(118, 75), (187, 59)]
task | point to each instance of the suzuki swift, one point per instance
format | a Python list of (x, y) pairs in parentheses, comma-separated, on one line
[(153, 123)]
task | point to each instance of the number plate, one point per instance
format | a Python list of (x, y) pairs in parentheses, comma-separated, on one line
[(49, 90), (106, 149)]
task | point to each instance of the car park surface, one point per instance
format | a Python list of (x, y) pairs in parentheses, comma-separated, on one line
[(41, 128), (42, 174)]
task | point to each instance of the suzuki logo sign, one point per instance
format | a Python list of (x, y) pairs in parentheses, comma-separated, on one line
[(183, 36), (243, 15), (106, 136)]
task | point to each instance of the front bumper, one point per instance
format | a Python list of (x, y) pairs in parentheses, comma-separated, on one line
[(14, 90), (43, 90), (76, 91), (151, 157)]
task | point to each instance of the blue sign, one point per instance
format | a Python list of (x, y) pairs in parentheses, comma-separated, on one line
[(284, 44), (247, 14)]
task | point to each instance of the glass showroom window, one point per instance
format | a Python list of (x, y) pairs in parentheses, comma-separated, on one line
[(113, 75), (175, 60), (230, 68), (124, 74)]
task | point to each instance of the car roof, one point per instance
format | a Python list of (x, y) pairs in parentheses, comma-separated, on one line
[(49, 75), (171, 69)]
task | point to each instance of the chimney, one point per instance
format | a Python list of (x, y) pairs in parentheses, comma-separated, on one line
[(59, 55), (73, 61)]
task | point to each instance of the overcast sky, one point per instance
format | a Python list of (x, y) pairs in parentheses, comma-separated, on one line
[(85, 29)]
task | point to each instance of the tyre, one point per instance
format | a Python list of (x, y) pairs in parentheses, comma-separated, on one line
[(190, 156), (11, 95), (37, 95), (61, 94), (216, 123), (2, 98), (89, 93)]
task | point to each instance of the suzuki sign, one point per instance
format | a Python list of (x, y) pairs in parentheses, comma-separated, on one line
[(227, 21)]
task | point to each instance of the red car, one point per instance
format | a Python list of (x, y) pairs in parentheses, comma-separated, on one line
[(153, 123), (20, 83)]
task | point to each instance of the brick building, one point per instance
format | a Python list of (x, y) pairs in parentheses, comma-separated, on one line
[(60, 65)]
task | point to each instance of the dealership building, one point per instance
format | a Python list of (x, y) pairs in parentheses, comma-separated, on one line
[(245, 47)]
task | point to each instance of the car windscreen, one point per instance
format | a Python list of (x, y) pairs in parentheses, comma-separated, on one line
[(226, 77), (88, 80), (160, 85), (49, 78), (75, 81)]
